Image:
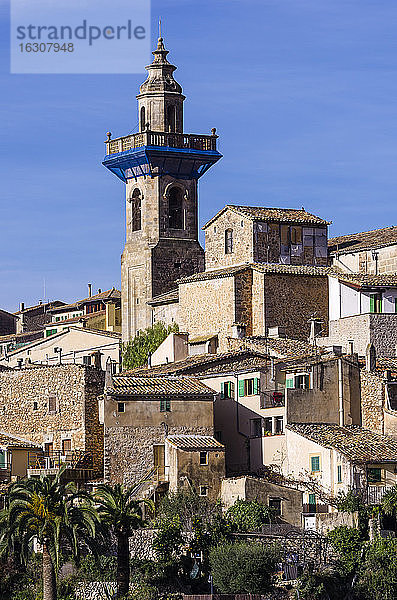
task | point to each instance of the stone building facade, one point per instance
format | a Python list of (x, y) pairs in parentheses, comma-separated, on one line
[(139, 413), (248, 234), (370, 252), (258, 296), (7, 323), (55, 407)]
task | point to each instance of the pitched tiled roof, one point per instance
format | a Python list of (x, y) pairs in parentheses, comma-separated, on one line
[(8, 440), (363, 280), (149, 386), (278, 347), (201, 364), (282, 215), (194, 442), (47, 305), (268, 268), (167, 298), (16, 336), (356, 443), (98, 313), (366, 240), (112, 294)]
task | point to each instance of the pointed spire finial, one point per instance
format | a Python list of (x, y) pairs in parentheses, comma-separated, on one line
[(159, 27)]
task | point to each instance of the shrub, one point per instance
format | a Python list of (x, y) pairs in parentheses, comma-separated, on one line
[(135, 353), (248, 515), (348, 543), (378, 571), (243, 567)]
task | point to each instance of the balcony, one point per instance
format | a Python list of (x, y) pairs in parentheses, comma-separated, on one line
[(314, 508), (272, 399), (154, 153), (375, 493), (161, 139), (79, 464)]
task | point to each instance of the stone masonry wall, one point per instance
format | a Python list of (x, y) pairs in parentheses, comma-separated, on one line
[(372, 400), (290, 301), (215, 255), (24, 407), (129, 450), (208, 307)]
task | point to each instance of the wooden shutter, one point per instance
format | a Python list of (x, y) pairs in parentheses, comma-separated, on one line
[(257, 385), (372, 303), (307, 382), (168, 404), (232, 389), (222, 389), (289, 381), (315, 464), (241, 387)]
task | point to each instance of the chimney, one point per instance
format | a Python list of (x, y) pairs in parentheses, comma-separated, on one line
[(89, 290), (276, 332), (370, 358), (99, 290), (22, 306), (315, 329), (239, 330), (350, 346)]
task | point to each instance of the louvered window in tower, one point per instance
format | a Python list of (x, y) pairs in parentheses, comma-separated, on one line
[(136, 210), (175, 208)]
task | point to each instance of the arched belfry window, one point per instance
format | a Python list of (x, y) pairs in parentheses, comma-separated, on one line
[(175, 208), (135, 210), (170, 126), (229, 241), (143, 119)]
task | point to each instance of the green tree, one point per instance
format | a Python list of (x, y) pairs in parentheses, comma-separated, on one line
[(248, 515), (135, 353), (348, 542), (377, 574), (52, 512), (389, 502), (121, 513), (243, 567)]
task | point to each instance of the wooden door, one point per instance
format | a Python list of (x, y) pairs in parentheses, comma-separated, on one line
[(159, 460)]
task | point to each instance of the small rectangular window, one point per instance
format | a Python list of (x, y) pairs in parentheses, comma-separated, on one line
[(227, 389), (279, 425), (315, 464), (374, 475), (251, 387), (66, 447), (203, 490), (339, 474), (86, 360), (256, 427), (35, 405), (52, 404), (165, 405), (312, 500), (203, 458), (268, 425), (120, 407), (275, 505)]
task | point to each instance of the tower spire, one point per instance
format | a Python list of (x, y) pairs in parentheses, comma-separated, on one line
[(160, 28)]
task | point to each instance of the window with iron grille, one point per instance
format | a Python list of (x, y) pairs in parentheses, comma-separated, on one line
[(315, 464), (203, 458)]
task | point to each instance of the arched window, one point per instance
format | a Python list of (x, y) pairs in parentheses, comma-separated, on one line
[(229, 241), (135, 210), (175, 208), (170, 126), (143, 119)]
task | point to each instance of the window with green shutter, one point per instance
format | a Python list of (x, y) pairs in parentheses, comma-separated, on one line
[(257, 385), (289, 381), (222, 389), (372, 303), (315, 464), (165, 405), (241, 387), (339, 474), (312, 500)]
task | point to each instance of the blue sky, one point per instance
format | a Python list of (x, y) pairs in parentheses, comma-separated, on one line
[(303, 95)]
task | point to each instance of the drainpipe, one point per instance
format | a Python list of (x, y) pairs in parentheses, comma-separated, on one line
[(247, 437), (340, 393)]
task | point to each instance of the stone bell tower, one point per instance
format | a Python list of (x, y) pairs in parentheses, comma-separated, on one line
[(160, 167)]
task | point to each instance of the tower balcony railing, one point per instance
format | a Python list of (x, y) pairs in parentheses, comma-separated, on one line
[(161, 138)]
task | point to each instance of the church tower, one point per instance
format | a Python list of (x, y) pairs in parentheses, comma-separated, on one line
[(160, 167)]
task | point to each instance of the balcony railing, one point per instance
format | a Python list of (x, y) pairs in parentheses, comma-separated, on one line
[(272, 399), (375, 493), (314, 508), (78, 459), (159, 138)]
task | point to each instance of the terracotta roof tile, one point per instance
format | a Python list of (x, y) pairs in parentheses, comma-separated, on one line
[(167, 298), (356, 443), (283, 215), (365, 240), (11, 441), (152, 386), (363, 280), (106, 295), (195, 442), (267, 268)]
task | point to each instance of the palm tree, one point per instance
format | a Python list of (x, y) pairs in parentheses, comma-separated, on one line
[(51, 512), (121, 513)]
